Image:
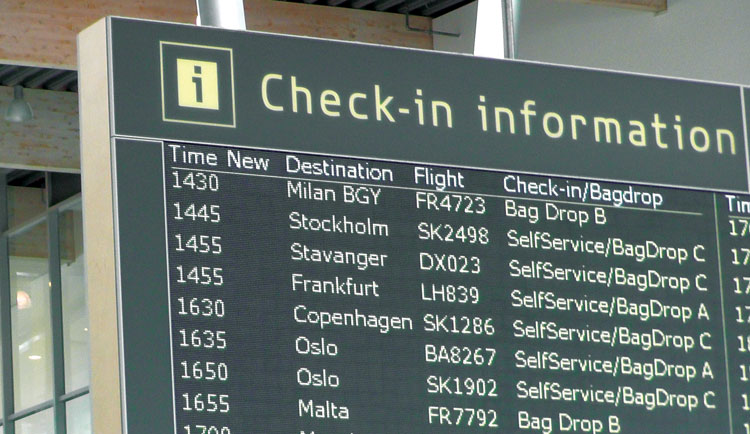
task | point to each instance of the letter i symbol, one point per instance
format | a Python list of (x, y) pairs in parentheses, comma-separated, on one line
[(198, 84)]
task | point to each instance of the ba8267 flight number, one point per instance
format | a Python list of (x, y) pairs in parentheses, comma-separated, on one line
[(459, 355)]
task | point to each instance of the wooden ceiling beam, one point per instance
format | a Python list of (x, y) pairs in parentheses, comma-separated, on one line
[(43, 32), (646, 5)]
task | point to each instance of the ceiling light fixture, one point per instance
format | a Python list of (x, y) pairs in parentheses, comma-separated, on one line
[(35, 357), (18, 110), (23, 300)]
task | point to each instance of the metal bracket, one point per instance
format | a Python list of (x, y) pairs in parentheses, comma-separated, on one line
[(428, 31)]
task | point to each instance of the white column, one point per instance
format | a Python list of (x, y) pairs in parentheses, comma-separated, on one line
[(227, 14), (485, 29)]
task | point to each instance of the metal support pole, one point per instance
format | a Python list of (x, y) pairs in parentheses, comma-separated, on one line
[(509, 27), (5, 334), (227, 14), (56, 315)]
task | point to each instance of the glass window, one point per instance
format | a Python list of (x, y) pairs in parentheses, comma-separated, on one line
[(75, 309), (37, 423), (25, 203), (79, 415), (30, 317)]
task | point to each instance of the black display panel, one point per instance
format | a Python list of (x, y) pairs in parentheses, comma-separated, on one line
[(324, 237), (311, 293)]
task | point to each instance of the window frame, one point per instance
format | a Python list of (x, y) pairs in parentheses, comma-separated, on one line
[(59, 398)]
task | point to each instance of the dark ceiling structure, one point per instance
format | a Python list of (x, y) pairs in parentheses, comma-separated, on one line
[(424, 8), (39, 78)]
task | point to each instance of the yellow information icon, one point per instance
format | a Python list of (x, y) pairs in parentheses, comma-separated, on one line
[(197, 84)]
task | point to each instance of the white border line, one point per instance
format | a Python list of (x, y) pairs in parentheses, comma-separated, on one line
[(436, 164), (118, 284), (161, 78), (116, 228), (110, 79), (115, 206), (400, 187), (723, 316), (169, 284), (744, 124)]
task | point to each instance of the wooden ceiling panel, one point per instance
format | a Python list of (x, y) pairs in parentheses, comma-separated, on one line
[(647, 5), (43, 32), (49, 142)]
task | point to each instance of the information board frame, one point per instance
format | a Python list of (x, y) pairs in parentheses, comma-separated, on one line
[(116, 195)]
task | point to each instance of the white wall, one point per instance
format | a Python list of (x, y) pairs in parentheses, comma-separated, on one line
[(699, 39), (480, 26), (462, 21)]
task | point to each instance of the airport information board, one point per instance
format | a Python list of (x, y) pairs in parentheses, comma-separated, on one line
[(326, 237)]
